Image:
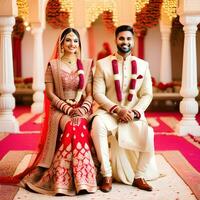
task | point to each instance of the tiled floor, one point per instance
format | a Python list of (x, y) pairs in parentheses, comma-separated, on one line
[(169, 187)]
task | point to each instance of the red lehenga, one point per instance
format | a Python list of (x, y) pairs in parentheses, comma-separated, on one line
[(72, 168)]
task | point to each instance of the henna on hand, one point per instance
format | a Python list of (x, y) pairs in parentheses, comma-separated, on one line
[(75, 121)]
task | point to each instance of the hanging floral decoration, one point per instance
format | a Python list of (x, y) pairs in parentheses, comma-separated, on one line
[(18, 28), (55, 17), (107, 19), (198, 26), (177, 33), (148, 17)]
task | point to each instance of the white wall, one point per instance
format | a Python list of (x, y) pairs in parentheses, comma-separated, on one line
[(152, 51), (50, 36), (101, 35), (27, 55)]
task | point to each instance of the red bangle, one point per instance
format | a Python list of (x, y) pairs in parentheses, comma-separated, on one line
[(113, 109), (136, 114)]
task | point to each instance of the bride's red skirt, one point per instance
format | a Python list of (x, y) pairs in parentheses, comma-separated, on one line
[(72, 169)]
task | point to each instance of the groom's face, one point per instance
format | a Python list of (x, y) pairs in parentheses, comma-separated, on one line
[(124, 41)]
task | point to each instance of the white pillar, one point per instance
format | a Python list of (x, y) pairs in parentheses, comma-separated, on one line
[(189, 90), (8, 122), (38, 69), (165, 66)]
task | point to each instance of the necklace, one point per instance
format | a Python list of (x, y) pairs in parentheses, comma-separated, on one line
[(134, 77), (68, 61)]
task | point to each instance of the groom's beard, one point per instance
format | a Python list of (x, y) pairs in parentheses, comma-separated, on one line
[(124, 48)]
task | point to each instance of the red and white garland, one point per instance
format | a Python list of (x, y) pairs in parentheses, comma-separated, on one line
[(80, 73), (134, 77), (81, 84)]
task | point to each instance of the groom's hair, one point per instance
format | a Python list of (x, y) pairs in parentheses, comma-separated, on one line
[(123, 28)]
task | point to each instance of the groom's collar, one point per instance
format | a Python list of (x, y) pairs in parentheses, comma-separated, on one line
[(121, 58)]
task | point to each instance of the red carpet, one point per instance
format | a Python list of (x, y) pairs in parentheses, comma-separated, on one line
[(30, 125), (28, 139), (18, 142), (172, 142), (182, 153)]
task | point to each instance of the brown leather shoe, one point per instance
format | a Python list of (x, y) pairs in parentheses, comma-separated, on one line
[(142, 184), (106, 184)]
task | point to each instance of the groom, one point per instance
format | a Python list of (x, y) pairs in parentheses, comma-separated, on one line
[(123, 90)]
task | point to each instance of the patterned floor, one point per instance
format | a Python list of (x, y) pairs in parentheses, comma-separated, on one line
[(177, 157)]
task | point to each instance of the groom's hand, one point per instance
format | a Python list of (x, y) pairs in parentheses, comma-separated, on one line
[(125, 115)]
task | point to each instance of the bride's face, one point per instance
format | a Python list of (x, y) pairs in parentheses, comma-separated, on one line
[(70, 43)]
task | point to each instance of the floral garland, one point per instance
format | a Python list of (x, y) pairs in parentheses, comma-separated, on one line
[(134, 77), (18, 28), (80, 73), (54, 16), (107, 19), (148, 17), (163, 86), (177, 33), (81, 84)]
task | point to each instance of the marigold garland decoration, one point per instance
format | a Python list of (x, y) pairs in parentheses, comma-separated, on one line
[(177, 33), (107, 19), (18, 28), (54, 16), (148, 17), (23, 9)]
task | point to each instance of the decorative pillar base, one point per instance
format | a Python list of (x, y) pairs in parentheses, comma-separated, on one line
[(38, 105), (188, 123), (186, 127), (9, 124)]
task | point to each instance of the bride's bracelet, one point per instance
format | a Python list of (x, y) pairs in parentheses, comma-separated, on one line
[(61, 105)]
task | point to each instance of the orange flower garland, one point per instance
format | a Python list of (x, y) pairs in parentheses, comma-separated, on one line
[(148, 17), (106, 17), (18, 28), (54, 17)]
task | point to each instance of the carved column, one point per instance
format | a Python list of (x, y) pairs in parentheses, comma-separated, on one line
[(189, 90), (8, 122), (38, 69), (165, 66)]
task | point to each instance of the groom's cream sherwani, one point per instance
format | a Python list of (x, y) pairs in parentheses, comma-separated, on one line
[(135, 136)]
